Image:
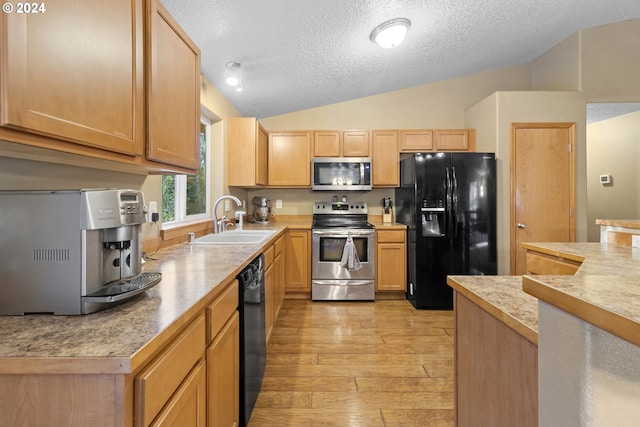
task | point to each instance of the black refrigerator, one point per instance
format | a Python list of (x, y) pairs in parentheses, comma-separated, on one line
[(448, 202)]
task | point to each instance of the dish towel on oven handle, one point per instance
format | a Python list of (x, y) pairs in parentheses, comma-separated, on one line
[(350, 259)]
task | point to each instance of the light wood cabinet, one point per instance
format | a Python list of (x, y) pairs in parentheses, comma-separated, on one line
[(188, 406), (327, 143), (83, 91), (223, 376), (297, 252), (247, 148), (278, 265), (419, 140), (155, 385), (347, 143), (290, 159), (455, 140), (391, 260), (173, 82), (76, 73), (416, 140), (540, 263), (385, 161), (269, 290)]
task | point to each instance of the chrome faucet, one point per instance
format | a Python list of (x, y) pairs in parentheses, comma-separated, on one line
[(218, 226)]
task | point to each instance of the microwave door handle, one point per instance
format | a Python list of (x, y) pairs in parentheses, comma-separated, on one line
[(361, 173)]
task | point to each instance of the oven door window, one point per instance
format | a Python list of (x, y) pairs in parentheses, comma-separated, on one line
[(331, 248)]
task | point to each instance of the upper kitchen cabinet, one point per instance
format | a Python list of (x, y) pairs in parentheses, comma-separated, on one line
[(246, 152), (455, 140), (75, 73), (173, 91), (289, 159), (355, 143), (348, 143), (412, 141), (385, 169)]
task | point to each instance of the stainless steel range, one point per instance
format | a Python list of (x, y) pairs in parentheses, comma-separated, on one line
[(343, 252)]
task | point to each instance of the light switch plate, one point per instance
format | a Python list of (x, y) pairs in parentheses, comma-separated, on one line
[(635, 240), (279, 204)]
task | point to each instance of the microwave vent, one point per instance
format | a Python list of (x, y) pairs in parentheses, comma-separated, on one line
[(51, 255)]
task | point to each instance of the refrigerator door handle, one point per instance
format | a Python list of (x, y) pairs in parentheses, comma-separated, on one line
[(449, 205), (454, 202)]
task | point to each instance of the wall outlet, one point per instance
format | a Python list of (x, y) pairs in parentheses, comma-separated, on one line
[(635, 241), (278, 204), (227, 205), (153, 207)]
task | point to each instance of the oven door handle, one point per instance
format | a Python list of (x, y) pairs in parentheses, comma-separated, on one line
[(341, 282), (341, 234)]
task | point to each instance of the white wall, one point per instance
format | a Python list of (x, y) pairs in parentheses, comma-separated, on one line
[(613, 147)]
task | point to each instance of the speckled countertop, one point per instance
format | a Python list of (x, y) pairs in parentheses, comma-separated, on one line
[(119, 339), (605, 291)]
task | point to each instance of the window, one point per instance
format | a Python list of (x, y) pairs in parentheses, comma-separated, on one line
[(186, 198)]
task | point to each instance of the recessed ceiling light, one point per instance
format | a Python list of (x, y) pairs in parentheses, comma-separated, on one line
[(233, 81), (391, 33)]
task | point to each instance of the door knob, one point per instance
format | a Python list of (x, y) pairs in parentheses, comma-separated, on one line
[(521, 225)]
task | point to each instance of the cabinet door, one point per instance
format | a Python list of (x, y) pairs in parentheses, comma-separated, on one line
[(223, 376), (262, 156), (173, 98), (247, 152), (327, 143), (75, 72), (355, 143), (188, 406), (453, 140), (278, 265), (290, 159), (416, 140), (385, 163), (391, 267), (298, 261)]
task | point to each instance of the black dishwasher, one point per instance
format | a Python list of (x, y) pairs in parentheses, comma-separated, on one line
[(253, 348)]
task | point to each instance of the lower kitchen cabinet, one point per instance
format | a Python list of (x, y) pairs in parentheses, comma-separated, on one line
[(269, 290), (188, 406), (297, 252), (223, 376), (159, 381), (541, 263), (391, 260)]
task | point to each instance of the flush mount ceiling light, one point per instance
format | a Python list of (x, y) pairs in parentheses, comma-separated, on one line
[(391, 33), (234, 78)]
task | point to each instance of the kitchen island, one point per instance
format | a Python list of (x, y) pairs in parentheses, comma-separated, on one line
[(567, 323)]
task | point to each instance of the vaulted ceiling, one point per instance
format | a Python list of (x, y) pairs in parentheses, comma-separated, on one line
[(300, 54)]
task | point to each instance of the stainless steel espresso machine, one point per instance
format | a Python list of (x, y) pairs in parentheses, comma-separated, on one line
[(72, 251)]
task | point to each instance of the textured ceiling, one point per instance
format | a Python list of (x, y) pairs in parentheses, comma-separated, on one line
[(299, 54)]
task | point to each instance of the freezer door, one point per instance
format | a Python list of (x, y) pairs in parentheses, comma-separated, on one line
[(474, 213)]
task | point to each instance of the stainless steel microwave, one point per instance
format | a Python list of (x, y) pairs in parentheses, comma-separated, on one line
[(341, 173)]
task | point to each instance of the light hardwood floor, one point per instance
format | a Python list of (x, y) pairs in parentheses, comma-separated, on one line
[(358, 364)]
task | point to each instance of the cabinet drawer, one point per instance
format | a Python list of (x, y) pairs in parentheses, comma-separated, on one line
[(269, 254), (545, 264), (278, 245), (157, 383), (220, 310), (390, 236)]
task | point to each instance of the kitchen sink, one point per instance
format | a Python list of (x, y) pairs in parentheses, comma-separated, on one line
[(235, 237)]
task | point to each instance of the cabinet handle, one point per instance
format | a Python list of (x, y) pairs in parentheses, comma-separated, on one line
[(521, 225)]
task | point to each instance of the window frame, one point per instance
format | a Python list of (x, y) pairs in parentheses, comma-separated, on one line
[(180, 209)]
